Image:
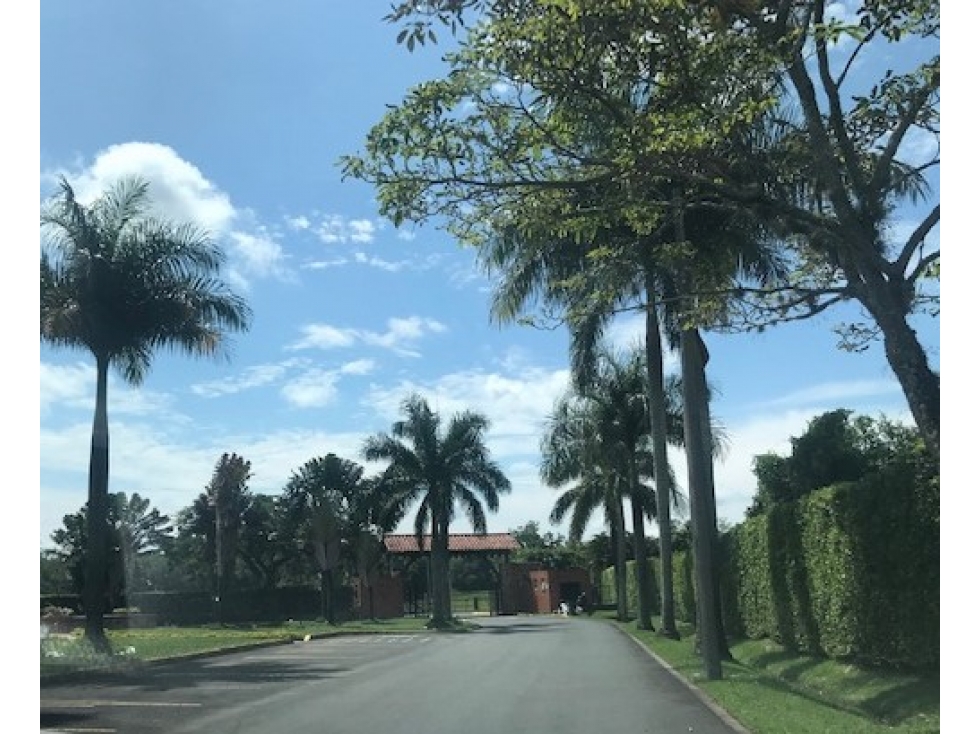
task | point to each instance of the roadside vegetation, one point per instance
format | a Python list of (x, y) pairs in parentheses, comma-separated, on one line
[(770, 689), (72, 652)]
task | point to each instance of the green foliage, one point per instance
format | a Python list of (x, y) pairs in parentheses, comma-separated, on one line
[(850, 571), (134, 532), (838, 446)]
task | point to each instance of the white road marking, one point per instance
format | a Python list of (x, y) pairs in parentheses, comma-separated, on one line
[(94, 703)]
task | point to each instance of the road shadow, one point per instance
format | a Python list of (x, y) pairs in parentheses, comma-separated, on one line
[(189, 674), (520, 627)]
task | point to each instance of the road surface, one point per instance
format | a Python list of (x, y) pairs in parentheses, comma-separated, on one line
[(517, 674)]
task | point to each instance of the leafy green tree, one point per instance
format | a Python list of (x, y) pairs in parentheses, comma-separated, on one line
[(56, 577), (134, 530), (759, 104), (550, 550), (265, 545), (838, 446), (120, 283), (194, 548), (438, 468), (140, 530)]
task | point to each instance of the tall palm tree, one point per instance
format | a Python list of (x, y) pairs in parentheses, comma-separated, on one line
[(322, 498), (438, 468), (120, 283), (576, 457), (228, 493), (619, 394)]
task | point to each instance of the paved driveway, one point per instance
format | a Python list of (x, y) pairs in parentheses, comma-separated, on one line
[(516, 674)]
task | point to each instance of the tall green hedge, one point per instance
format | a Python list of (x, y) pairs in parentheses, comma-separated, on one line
[(850, 572)]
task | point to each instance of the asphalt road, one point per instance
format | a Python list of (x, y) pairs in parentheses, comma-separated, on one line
[(516, 674)]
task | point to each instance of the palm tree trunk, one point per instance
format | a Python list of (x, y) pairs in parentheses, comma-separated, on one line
[(441, 597), (696, 424), (661, 474), (621, 581), (644, 619), (97, 516)]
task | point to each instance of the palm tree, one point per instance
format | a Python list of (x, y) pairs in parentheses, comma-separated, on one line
[(139, 528), (437, 469), (574, 452), (321, 498), (228, 493), (121, 283)]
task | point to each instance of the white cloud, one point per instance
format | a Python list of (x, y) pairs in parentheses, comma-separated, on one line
[(172, 468), (835, 393), (324, 264), (376, 262), (72, 387), (400, 335), (361, 230), (259, 253), (358, 367), (299, 223), (337, 229), (324, 336), (516, 404), (252, 377), (313, 389), (179, 191)]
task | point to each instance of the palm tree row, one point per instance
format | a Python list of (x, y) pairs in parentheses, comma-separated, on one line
[(121, 282)]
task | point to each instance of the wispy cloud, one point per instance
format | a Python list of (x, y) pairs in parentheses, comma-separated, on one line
[(335, 228), (305, 384), (400, 336), (834, 394), (250, 378), (516, 402)]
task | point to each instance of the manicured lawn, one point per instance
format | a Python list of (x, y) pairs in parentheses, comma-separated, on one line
[(773, 691), (61, 653)]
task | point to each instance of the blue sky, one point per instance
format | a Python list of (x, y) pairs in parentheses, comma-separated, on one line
[(238, 119)]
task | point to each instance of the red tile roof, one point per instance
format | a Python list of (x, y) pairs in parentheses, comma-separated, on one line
[(458, 542)]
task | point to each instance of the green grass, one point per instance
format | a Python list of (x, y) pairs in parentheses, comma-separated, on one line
[(67, 653), (771, 690), (467, 602)]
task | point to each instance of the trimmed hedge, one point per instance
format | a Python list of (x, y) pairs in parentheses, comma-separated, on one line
[(850, 572)]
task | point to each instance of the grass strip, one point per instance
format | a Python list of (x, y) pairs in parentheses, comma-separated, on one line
[(771, 690)]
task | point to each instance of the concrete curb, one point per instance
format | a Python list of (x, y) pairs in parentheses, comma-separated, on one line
[(700, 694)]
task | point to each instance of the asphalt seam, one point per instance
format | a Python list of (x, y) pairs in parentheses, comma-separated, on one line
[(699, 693)]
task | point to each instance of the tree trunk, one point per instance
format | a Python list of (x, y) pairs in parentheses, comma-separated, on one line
[(441, 596), (661, 475), (643, 592), (908, 361), (883, 291), (96, 561), (621, 580), (219, 552), (696, 424)]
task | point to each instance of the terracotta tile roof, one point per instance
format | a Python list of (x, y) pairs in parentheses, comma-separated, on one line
[(458, 542)]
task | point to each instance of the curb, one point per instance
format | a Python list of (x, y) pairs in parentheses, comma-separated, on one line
[(701, 696)]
